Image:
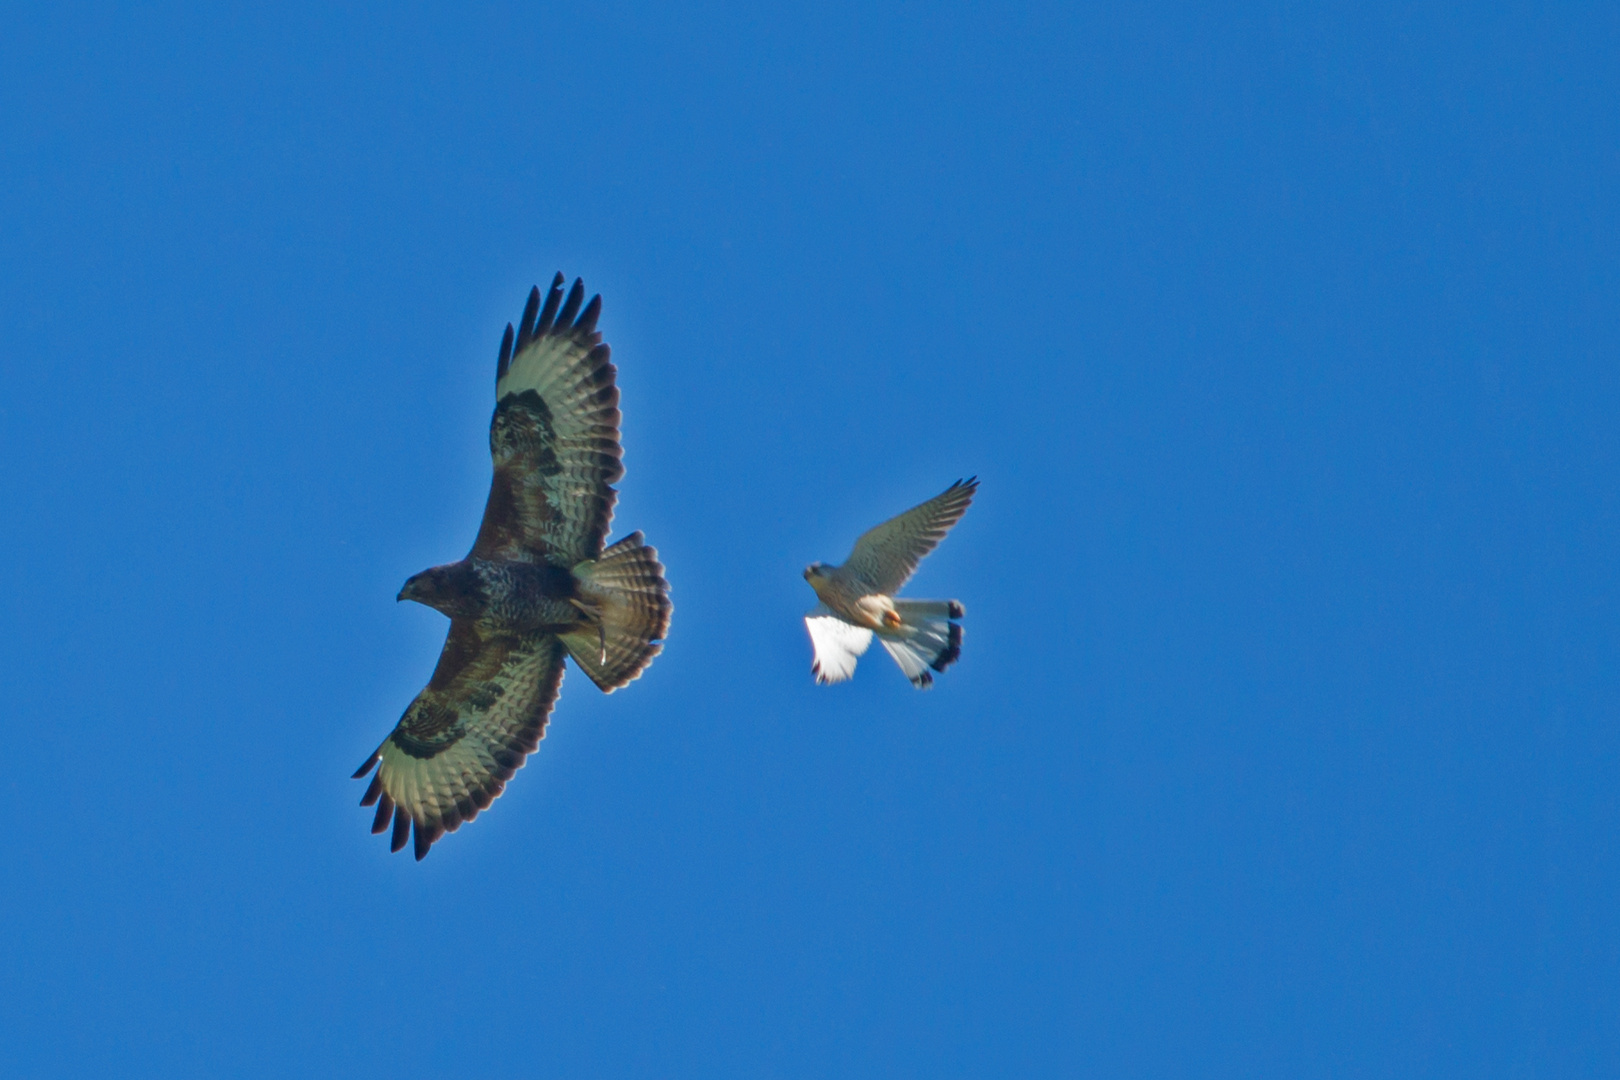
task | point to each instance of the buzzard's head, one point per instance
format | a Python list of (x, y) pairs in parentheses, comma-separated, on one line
[(444, 588)]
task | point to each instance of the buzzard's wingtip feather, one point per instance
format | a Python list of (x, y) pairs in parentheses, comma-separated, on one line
[(588, 317), (570, 308), (531, 308), (553, 298), (385, 811), (360, 773), (373, 791), (402, 829), (504, 360)]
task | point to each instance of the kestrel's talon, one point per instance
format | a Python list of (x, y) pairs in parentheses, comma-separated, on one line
[(891, 619)]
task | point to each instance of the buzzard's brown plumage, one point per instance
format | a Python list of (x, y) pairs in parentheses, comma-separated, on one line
[(537, 585)]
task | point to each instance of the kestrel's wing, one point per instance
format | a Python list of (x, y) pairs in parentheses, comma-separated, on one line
[(464, 736), (554, 436), (838, 644), (885, 556)]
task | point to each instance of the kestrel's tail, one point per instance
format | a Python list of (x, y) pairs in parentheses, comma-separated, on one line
[(926, 638), (627, 599)]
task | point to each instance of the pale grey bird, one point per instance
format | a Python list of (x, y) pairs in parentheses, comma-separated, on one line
[(858, 601)]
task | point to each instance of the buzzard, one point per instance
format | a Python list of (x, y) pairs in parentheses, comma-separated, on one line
[(857, 599), (537, 586)]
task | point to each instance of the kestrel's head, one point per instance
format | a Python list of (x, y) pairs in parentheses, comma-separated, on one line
[(815, 570)]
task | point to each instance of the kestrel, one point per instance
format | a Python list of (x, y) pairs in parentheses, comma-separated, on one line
[(858, 601)]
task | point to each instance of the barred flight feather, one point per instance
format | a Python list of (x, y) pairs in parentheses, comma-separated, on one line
[(554, 437), (887, 555), (626, 587), (444, 783)]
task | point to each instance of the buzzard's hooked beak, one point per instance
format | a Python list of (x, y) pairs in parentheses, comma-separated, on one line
[(407, 591)]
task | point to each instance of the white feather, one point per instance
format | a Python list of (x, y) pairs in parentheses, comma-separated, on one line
[(838, 644)]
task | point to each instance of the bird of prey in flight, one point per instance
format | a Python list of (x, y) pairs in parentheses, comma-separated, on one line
[(858, 601), (537, 586)]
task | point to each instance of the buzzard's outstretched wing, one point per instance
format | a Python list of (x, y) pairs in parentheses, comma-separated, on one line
[(554, 436), (464, 736), (885, 556)]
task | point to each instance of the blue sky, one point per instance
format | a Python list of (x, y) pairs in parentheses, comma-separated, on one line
[(1282, 338)]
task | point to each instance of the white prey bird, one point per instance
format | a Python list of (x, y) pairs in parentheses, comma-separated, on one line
[(857, 599)]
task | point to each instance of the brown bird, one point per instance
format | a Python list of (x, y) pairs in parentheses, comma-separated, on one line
[(537, 586)]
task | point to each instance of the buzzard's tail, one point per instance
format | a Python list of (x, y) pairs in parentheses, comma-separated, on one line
[(627, 599), (926, 638)]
